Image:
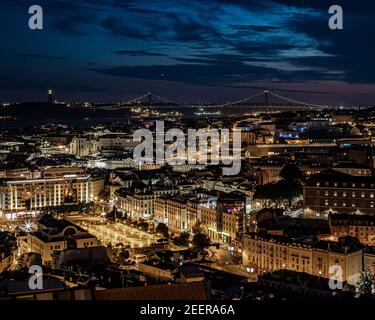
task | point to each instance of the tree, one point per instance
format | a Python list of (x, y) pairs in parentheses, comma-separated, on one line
[(162, 229), (143, 225), (123, 254), (182, 239), (290, 172), (120, 253), (201, 241), (366, 283), (278, 192), (290, 190)]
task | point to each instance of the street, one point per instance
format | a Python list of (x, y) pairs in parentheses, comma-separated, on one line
[(114, 233), (224, 260)]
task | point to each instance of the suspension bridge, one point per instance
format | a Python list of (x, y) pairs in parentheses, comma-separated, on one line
[(265, 99)]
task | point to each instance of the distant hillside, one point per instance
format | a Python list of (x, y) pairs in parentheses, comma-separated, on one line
[(29, 110)]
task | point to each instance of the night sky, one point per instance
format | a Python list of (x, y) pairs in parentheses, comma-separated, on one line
[(213, 50)]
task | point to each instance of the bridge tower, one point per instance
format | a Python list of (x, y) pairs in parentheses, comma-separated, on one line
[(266, 99), (149, 98)]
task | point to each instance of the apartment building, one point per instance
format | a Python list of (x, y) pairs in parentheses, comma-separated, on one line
[(172, 210), (139, 204), (335, 192), (268, 253), (223, 220), (195, 207), (57, 186), (230, 222), (360, 226)]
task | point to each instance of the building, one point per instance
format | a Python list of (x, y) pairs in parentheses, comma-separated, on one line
[(208, 218), (22, 172), (83, 146), (57, 235), (359, 226), (354, 169), (335, 192), (342, 119), (194, 291), (195, 207), (230, 223), (172, 210), (58, 186), (8, 250), (105, 144), (268, 253), (223, 219), (139, 204), (369, 260)]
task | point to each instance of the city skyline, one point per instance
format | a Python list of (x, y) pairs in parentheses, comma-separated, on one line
[(116, 50)]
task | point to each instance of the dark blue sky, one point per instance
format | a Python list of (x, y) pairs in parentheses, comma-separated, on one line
[(213, 50)]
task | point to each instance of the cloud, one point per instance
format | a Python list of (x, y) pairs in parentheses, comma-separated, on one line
[(39, 56), (231, 43), (214, 73), (138, 53)]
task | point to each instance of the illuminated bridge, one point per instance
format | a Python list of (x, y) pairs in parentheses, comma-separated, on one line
[(266, 100)]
